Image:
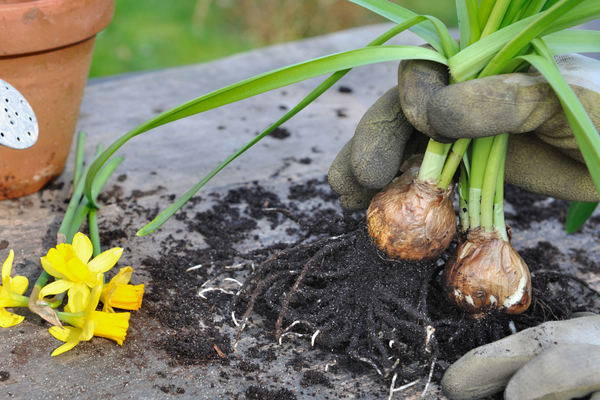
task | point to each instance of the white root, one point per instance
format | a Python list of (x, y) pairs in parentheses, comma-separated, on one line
[(429, 378), (194, 267), (400, 388), (430, 330), (313, 337), (235, 322)]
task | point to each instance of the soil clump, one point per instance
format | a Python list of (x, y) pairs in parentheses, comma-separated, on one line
[(326, 282)]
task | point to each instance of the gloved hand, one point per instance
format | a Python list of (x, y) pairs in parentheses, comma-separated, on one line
[(372, 158), (513, 103), (558, 360)]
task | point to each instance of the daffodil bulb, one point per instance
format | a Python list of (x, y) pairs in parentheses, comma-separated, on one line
[(487, 273), (411, 219)]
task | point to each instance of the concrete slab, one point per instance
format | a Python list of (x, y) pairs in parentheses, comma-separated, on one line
[(175, 157)]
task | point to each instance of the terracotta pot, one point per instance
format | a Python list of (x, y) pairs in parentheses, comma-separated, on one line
[(45, 53)]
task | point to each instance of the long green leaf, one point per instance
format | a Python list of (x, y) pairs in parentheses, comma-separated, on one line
[(78, 190), (265, 82), (399, 14), (513, 12), (549, 3), (468, 23), (495, 18), (587, 11), (524, 38), (177, 204), (485, 9), (583, 129), (448, 45), (533, 7), (573, 41), (79, 154), (577, 214), (469, 62), (84, 206)]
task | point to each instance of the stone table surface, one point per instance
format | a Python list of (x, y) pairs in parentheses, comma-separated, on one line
[(175, 156)]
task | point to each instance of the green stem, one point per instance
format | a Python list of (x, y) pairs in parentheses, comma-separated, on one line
[(74, 319), (433, 161), (84, 206), (499, 223), (79, 153), (481, 151), (67, 222), (490, 180), (452, 162), (17, 300), (94, 234), (42, 279), (78, 218), (463, 198)]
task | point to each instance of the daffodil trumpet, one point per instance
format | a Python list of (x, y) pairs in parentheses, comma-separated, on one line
[(118, 293), (85, 322)]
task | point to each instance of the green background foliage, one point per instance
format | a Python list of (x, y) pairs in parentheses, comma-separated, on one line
[(153, 34)]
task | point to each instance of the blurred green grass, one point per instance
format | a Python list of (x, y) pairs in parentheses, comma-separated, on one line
[(153, 34)]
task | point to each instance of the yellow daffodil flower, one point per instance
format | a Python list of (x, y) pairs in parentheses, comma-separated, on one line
[(11, 294), (70, 264), (118, 293), (87, 322)]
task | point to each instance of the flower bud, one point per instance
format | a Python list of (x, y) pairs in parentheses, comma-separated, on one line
[(487, 273), (411, 219)]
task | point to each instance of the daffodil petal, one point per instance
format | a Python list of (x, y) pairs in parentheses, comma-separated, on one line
[(105, 260), (6, 267), (88, 330), (79, 295), (56, 287), (54, 263), (61, 333), (19, 284), (50, 269), (95, 296), (123, 277), (83, 247), (78, 271), (64, 348), (8, 319)]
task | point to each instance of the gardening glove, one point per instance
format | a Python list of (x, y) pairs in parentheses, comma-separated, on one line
[(557, 360), (547, 160), (372, 158)]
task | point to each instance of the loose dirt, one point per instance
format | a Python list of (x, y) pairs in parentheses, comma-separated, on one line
[(327, 284)]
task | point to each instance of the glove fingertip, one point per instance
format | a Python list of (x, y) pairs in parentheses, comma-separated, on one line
[(377, 172), (340, 176), (357, 201)]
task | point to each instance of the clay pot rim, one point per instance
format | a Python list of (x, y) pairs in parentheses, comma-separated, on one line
[(39, 25)]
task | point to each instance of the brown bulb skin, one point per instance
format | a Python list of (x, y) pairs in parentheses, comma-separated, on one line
[(486, 273), (410, 219)]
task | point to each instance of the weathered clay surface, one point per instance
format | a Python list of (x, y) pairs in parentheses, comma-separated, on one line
[(175, 157)]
